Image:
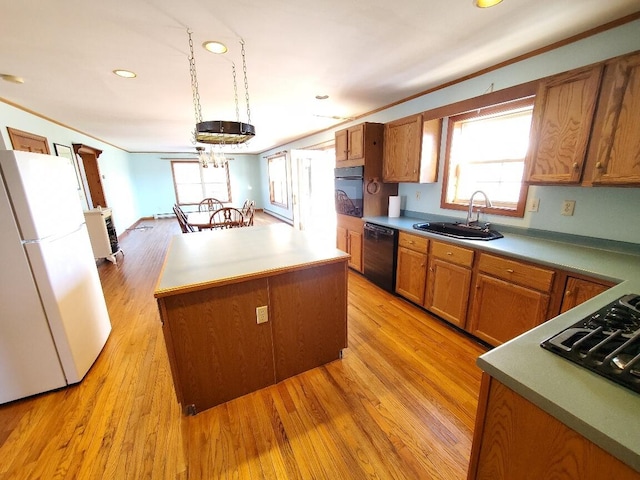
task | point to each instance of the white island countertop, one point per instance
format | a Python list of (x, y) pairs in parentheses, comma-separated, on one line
[(201, 260), (600, 410)]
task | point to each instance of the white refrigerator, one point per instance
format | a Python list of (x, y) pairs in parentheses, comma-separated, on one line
[(53, 317)]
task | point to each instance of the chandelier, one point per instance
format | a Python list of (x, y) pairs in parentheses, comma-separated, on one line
[(219, 132)]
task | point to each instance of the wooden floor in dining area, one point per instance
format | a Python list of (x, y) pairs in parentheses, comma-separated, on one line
[(400, 405)]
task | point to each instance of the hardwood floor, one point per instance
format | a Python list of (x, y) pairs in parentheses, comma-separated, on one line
[(400, 404)]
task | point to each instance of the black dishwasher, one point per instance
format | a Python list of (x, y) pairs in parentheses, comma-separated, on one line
[(380, 249)]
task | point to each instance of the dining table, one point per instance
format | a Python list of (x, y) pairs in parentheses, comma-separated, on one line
[(199, 220)]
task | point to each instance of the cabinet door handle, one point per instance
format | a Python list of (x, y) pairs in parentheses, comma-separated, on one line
[(576, 166), (599, 165), (510, 270), (431, 270), (567, 293), (411, 242), (449, 253)]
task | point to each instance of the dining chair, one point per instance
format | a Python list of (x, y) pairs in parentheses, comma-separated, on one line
[(248, 209), (182, 219), (227, 217), (209, 205)]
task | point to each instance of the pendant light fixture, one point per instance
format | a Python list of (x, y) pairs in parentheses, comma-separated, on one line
[(219, 132)]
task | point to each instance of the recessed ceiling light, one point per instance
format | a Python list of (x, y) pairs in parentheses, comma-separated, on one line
[(486, 3), (11, 78), (322, 97), (125, 73), (215, 47)]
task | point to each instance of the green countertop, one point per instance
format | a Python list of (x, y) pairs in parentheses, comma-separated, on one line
[(600, 410)]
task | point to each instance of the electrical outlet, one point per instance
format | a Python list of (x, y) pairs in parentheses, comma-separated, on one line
[(533, 205), (417, 194), (262, 315), (568, 206)]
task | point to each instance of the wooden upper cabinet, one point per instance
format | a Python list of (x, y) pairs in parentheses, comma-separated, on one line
[(402, 146), (562, 119), (359, 145), (350, 146), (614, 152), (341, 146), (28, 142)]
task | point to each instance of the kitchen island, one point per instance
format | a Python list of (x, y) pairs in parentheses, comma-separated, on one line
[(541, 416), (245, 308)]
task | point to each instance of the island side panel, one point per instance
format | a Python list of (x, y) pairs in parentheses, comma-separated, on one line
[(219, 350), (308, 311)]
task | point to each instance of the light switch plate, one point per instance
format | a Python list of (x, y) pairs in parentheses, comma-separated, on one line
[(533, 204)]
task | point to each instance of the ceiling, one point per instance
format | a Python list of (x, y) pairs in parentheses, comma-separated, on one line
[(363, 54)]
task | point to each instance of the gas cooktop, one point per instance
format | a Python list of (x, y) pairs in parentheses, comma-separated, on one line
[(606, 342)]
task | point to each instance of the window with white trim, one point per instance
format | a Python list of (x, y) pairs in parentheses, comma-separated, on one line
[(486, 150), (192, 182)]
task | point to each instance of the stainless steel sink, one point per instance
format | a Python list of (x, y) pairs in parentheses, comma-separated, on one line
[(459, 230)]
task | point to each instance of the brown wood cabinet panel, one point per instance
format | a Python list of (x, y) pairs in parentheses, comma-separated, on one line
[(341, 239), (91, 168), (342, 140), (501, 310), (411, 274), (402, 147), (448, 287), (301, 305), (28, 142), (578, 291), (356, 142), (514, 439), (220, 351), (413, 242), (517, 272), (452, 253), (355, 243), (562, 119), (614, 153), (350, 235)]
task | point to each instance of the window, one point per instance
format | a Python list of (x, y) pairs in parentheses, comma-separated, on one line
[(278, 194), (486, 151), (192, 182)]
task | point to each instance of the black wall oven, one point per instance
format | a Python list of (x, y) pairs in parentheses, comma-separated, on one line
[(349, 190)]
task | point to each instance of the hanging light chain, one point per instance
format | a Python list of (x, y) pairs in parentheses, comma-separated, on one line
[(235, 91), (246, 83), (194, 81)]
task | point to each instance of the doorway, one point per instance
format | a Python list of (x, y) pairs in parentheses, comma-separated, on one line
[(312, 181)]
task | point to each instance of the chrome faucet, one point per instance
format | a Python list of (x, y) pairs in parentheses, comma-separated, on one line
[(487, 204)]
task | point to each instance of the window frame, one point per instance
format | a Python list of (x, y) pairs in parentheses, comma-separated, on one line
[(493, 98), (202, 183), (519, 209)]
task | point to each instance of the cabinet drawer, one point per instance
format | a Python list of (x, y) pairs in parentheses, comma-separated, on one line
[(413, 242), (516, 272), (451, 253)]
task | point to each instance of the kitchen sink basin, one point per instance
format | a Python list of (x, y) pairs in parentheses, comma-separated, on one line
[(459, 230)]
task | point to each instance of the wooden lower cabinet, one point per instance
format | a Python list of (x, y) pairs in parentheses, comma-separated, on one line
[(509, 298), (514, 439), (349, 238), (578, 291), (449, 282), (411, 270)]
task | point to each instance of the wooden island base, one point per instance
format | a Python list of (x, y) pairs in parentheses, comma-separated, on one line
[(218, 351)]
